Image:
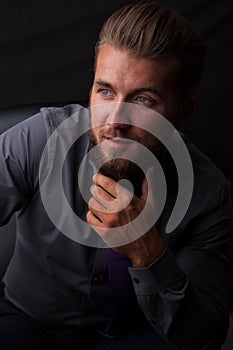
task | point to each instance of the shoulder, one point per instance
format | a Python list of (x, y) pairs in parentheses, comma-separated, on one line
[(38, 128), (54, 116), (211, 190), (22, 145), (210, 204), (207, 176)]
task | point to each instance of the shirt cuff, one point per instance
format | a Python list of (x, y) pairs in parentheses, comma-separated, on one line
[(163, 273)]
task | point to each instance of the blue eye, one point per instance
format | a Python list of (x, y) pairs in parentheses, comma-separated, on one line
[(105, 92), (142, 99), (145, 100)]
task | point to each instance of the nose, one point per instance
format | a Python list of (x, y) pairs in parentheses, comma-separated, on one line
[(119, 116)]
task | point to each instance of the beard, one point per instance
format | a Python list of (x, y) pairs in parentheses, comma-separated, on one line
[(117, 167)]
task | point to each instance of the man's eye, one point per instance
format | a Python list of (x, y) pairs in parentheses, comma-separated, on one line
[(105, 92), (145, 100)]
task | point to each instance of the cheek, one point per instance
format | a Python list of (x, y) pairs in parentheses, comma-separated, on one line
[(96, 134), (140, 135), (148, 140), (99, 112), (144, 137), (93, 99)]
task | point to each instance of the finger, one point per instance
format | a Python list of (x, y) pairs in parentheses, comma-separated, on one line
[(107, 184), (146, 183), (96, 207), (93, 220), (144, 188), (99, 193), (121, 196), (148, 187)]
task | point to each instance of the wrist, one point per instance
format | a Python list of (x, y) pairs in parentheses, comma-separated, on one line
[(146, 259)]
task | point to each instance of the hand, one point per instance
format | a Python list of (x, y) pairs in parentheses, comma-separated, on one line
[(113, 206)]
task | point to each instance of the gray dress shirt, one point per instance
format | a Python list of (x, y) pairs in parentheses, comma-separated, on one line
[(184, 294)]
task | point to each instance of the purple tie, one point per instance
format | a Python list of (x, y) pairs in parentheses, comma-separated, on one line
[(124, 306)]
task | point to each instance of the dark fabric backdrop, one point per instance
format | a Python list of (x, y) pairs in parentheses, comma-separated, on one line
[(46, 57)]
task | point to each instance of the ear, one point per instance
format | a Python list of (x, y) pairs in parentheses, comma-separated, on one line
[(186, 111)]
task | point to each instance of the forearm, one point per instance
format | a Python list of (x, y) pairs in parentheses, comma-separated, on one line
[(176, 307)]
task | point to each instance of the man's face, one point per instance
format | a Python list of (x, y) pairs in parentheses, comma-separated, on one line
[(120, 78)]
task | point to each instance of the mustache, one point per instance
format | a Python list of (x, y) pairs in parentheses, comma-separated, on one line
[(118, 133), (113, 133)]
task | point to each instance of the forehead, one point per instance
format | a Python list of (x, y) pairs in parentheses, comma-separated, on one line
[(118, 65)]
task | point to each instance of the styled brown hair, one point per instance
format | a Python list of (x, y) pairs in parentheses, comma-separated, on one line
[(147, 30)]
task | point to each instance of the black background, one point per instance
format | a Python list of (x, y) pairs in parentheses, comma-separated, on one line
[(46, 57)]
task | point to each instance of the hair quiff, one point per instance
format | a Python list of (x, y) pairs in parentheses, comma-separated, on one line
[(147, 30)]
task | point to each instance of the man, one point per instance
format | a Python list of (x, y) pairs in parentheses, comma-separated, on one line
[(147, 290)]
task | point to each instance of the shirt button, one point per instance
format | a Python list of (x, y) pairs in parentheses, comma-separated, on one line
[(136, 280), (96, 280)]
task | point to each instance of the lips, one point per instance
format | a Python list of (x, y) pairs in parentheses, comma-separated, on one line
[(117, 142)]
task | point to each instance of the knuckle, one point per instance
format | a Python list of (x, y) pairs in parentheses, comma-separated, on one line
[(92, 189), (90, 203), (113, 220), (88, 215), (110, 222)]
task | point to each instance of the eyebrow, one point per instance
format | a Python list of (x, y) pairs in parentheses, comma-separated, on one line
[(102, 83), (135, 91)]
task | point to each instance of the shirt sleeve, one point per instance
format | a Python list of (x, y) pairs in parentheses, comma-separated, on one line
[(20, 151), (185, 293)]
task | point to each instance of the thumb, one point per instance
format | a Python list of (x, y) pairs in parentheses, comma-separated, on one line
[(147, 183)]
